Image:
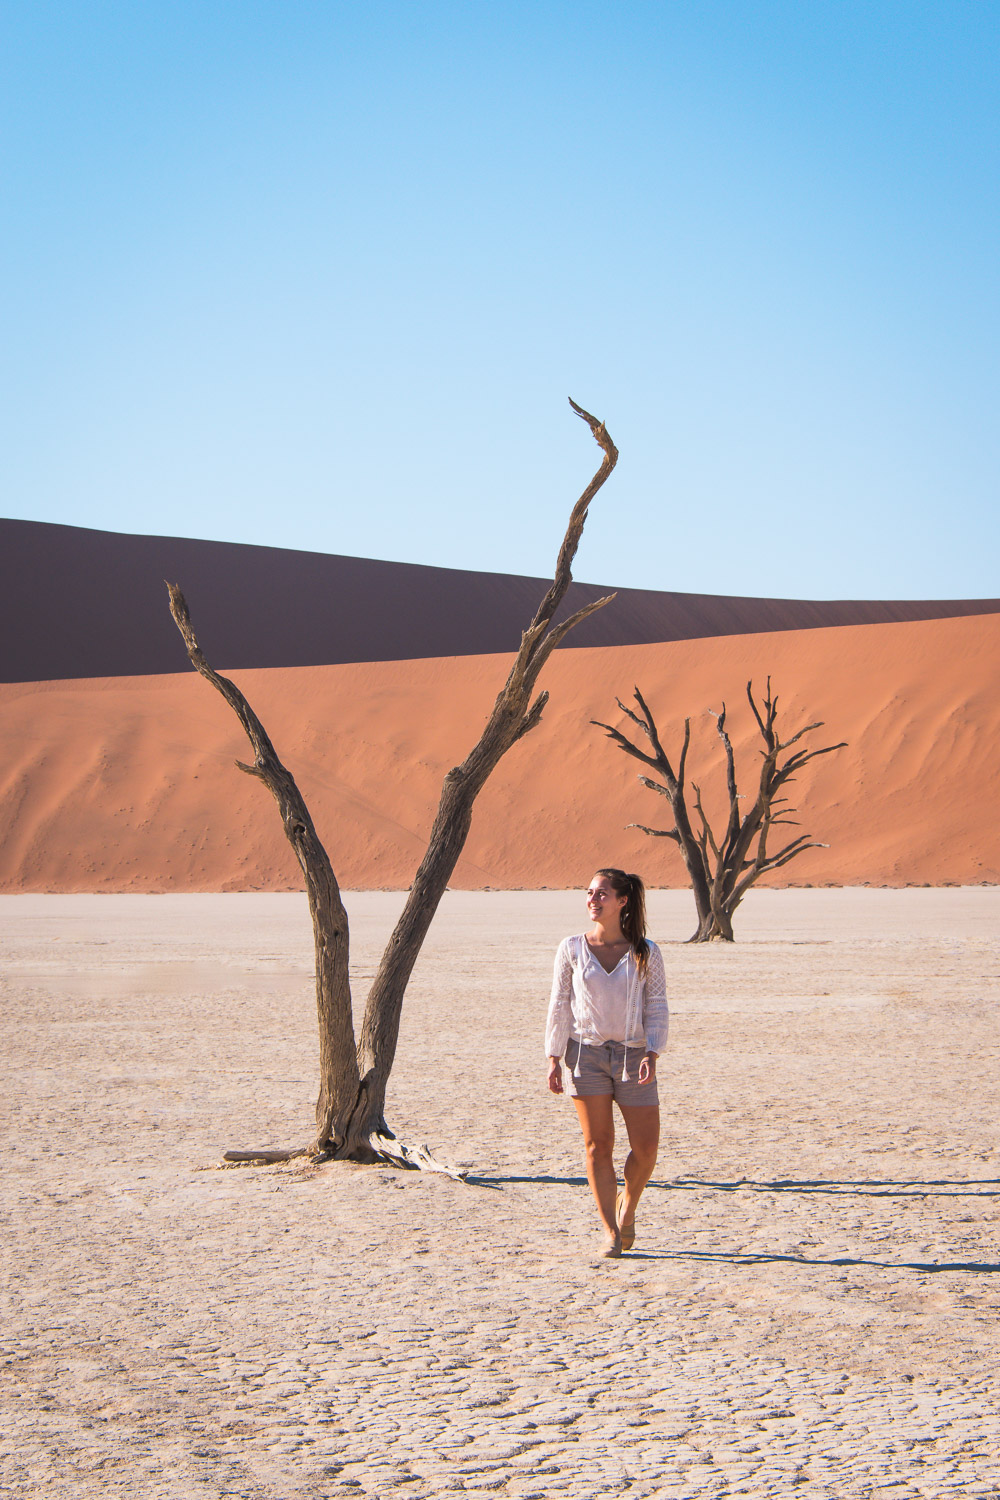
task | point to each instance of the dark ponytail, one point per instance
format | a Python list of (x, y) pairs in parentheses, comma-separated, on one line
[(633, 913)]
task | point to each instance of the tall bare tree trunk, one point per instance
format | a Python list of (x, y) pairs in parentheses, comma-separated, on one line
[(350, 1119)]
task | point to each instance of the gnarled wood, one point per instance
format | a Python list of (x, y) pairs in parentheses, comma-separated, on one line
[(353, 1075), (514, 714), (385, 1147), (723, 868), (338, 1066)]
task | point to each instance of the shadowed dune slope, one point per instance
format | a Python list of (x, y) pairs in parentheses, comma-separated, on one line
[(82, 603), (129, 784)]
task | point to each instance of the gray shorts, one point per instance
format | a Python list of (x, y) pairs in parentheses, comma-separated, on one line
[(601, 1073)]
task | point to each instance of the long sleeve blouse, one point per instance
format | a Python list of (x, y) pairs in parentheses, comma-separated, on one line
[(594, 1006)]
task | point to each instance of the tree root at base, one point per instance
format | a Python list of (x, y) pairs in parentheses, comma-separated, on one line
[(380, 1146), (414, 1158)]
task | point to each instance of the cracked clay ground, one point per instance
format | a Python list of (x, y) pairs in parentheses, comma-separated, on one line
[(811, 1309)]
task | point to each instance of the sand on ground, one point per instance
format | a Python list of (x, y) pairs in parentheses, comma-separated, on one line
[(811, 1308)]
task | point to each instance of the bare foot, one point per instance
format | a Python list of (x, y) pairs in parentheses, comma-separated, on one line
[(626, 1230)]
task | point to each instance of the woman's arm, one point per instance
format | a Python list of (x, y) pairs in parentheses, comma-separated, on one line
[(655, 1011), (559, 1022)]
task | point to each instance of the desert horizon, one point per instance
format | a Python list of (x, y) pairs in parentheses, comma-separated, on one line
[(79, 602)]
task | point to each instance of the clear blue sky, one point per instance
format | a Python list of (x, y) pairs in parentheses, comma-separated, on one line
[(322, 275)]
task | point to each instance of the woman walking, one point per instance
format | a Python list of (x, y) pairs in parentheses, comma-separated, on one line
[(608, 1017)]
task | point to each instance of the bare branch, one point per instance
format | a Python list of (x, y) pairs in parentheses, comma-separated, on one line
[(787, 772), (533, 715), (684, 754), (783, 745), (654, 737), (624, 743), (733, 822), (558, 632), (774, 862), (706, 825), (574, 530), (756, 713), (632, 715), (657, 833)]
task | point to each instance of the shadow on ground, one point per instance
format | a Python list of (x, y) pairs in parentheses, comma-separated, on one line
[(988, 1187)]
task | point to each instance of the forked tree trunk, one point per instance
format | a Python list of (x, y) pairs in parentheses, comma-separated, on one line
[(713, 926), (350, 1118), (721, 871)]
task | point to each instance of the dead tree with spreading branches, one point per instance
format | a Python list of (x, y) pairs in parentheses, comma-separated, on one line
[(350, 1119), (722, 870)]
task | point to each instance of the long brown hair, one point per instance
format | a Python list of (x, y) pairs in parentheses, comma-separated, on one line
[(633, 913)]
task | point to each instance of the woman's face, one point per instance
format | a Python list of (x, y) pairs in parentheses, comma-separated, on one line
[(603, 902)]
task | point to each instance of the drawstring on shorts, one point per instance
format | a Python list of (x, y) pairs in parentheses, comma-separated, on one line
[(575, 1070)]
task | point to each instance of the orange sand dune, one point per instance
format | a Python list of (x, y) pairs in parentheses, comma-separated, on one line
[(128, 784)]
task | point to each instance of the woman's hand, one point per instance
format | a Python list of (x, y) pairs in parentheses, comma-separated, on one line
[(647, 1068), (555, 1075)]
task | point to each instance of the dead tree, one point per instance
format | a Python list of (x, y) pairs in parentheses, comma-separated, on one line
[(722, 870), (350, 1119)]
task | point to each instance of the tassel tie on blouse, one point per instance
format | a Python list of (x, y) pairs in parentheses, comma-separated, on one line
[(632, 995)]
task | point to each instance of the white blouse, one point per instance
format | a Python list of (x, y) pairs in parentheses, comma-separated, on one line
[(595, 1007)]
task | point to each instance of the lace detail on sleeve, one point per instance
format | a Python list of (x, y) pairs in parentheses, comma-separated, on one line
[(655, 1012), (560, 1017)]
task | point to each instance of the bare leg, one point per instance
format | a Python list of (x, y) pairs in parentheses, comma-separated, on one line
[(642, 1121), (598, 1124)]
